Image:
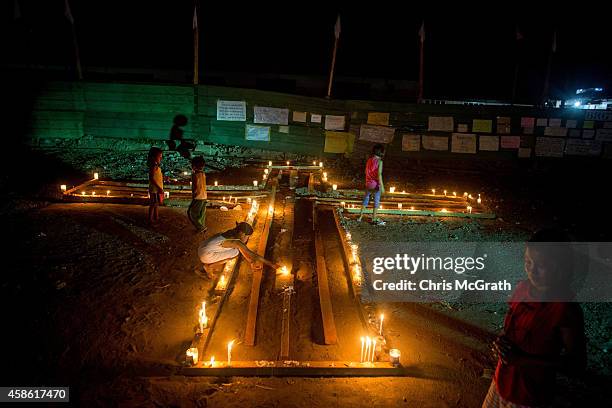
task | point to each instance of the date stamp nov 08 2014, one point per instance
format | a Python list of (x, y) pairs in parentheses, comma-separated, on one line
[(34, 394)]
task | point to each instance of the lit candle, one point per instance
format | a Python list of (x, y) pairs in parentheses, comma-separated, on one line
[(320, 164), (255, 183), (479, 200), (221, 284), (433, 190), (314, 162), (63, 187), (229, 352), (470, 197), (403, 191), (394, 354), (166, 194), (82, 193), (367, 350), (192, 355), (465, 194), (373, 350), (223, 199), (454, 195), (343, 204), (469, 208), (216, 183), (287, 162), (93, 193), (444, 193), (411, 208), (269, 163), (266, 171), (212, 361), (324, 174), (392, 189), (334, 187), (107, 192), (204, 306), (249, 200), (399, 205), (203, 320), (382, 317), (185, 173), (348, 236), (96, 175), (362, 346)]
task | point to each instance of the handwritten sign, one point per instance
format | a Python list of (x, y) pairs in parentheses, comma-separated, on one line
[(604, 135), (411, 143), (579, 147), (542, 122), (527, 122), (299, 116), (377, 134), (549, 147), (257, 133), (333, 122), (441, 123), (571, 123), (463, 143), (503, 124), (524, 152), (378, 118), (488, 143), (315, 118), (555, 131), (339, 142), (482, 126), (277, 116), (233, 111), (598, 115), (510, 142), (439, 143)]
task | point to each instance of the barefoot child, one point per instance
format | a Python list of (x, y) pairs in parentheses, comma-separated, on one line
[(374, 185), (197, 209), (220, 248), (156, 183), (543, 329)]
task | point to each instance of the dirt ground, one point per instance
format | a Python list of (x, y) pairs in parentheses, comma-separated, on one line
[(97, 299)]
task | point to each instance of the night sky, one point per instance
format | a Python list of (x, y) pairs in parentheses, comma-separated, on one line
[(470, 53)]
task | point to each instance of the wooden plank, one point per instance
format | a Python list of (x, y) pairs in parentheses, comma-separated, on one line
[(428, 213), (304, 369), (285, 329), (249, 335), (329, 326)]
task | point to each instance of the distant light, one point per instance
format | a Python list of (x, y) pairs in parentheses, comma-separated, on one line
[(577, 104), (599, 89)]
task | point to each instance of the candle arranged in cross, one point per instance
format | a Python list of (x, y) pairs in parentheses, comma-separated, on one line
[(229, 352)]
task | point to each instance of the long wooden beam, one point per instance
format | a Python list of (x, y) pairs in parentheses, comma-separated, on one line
[(329, 327)]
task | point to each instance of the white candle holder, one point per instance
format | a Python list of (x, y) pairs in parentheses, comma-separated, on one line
[(394, 357)]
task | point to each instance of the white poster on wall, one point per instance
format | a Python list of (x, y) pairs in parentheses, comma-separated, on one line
[(233, 111), (549, 147), (334, 122), (275, 116), (579, 147), (463, 143), (257, 133), (315, 118), (376, 134)]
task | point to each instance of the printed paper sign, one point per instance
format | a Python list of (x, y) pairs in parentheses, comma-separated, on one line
[(333, 122), (542, 122), (549, 147), (488, 143), (378, 118), (257, 133), (299, 116), (315, 118), (503, 124), (377, 134), (463, 143), (234, 111), (276, 116), (554, 122), (579, 147), (439, 143), (482, 126), (510, 142), (441, 123), (527, 122), (411, 143), (283, 129), (555, 131), (598, 115)]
